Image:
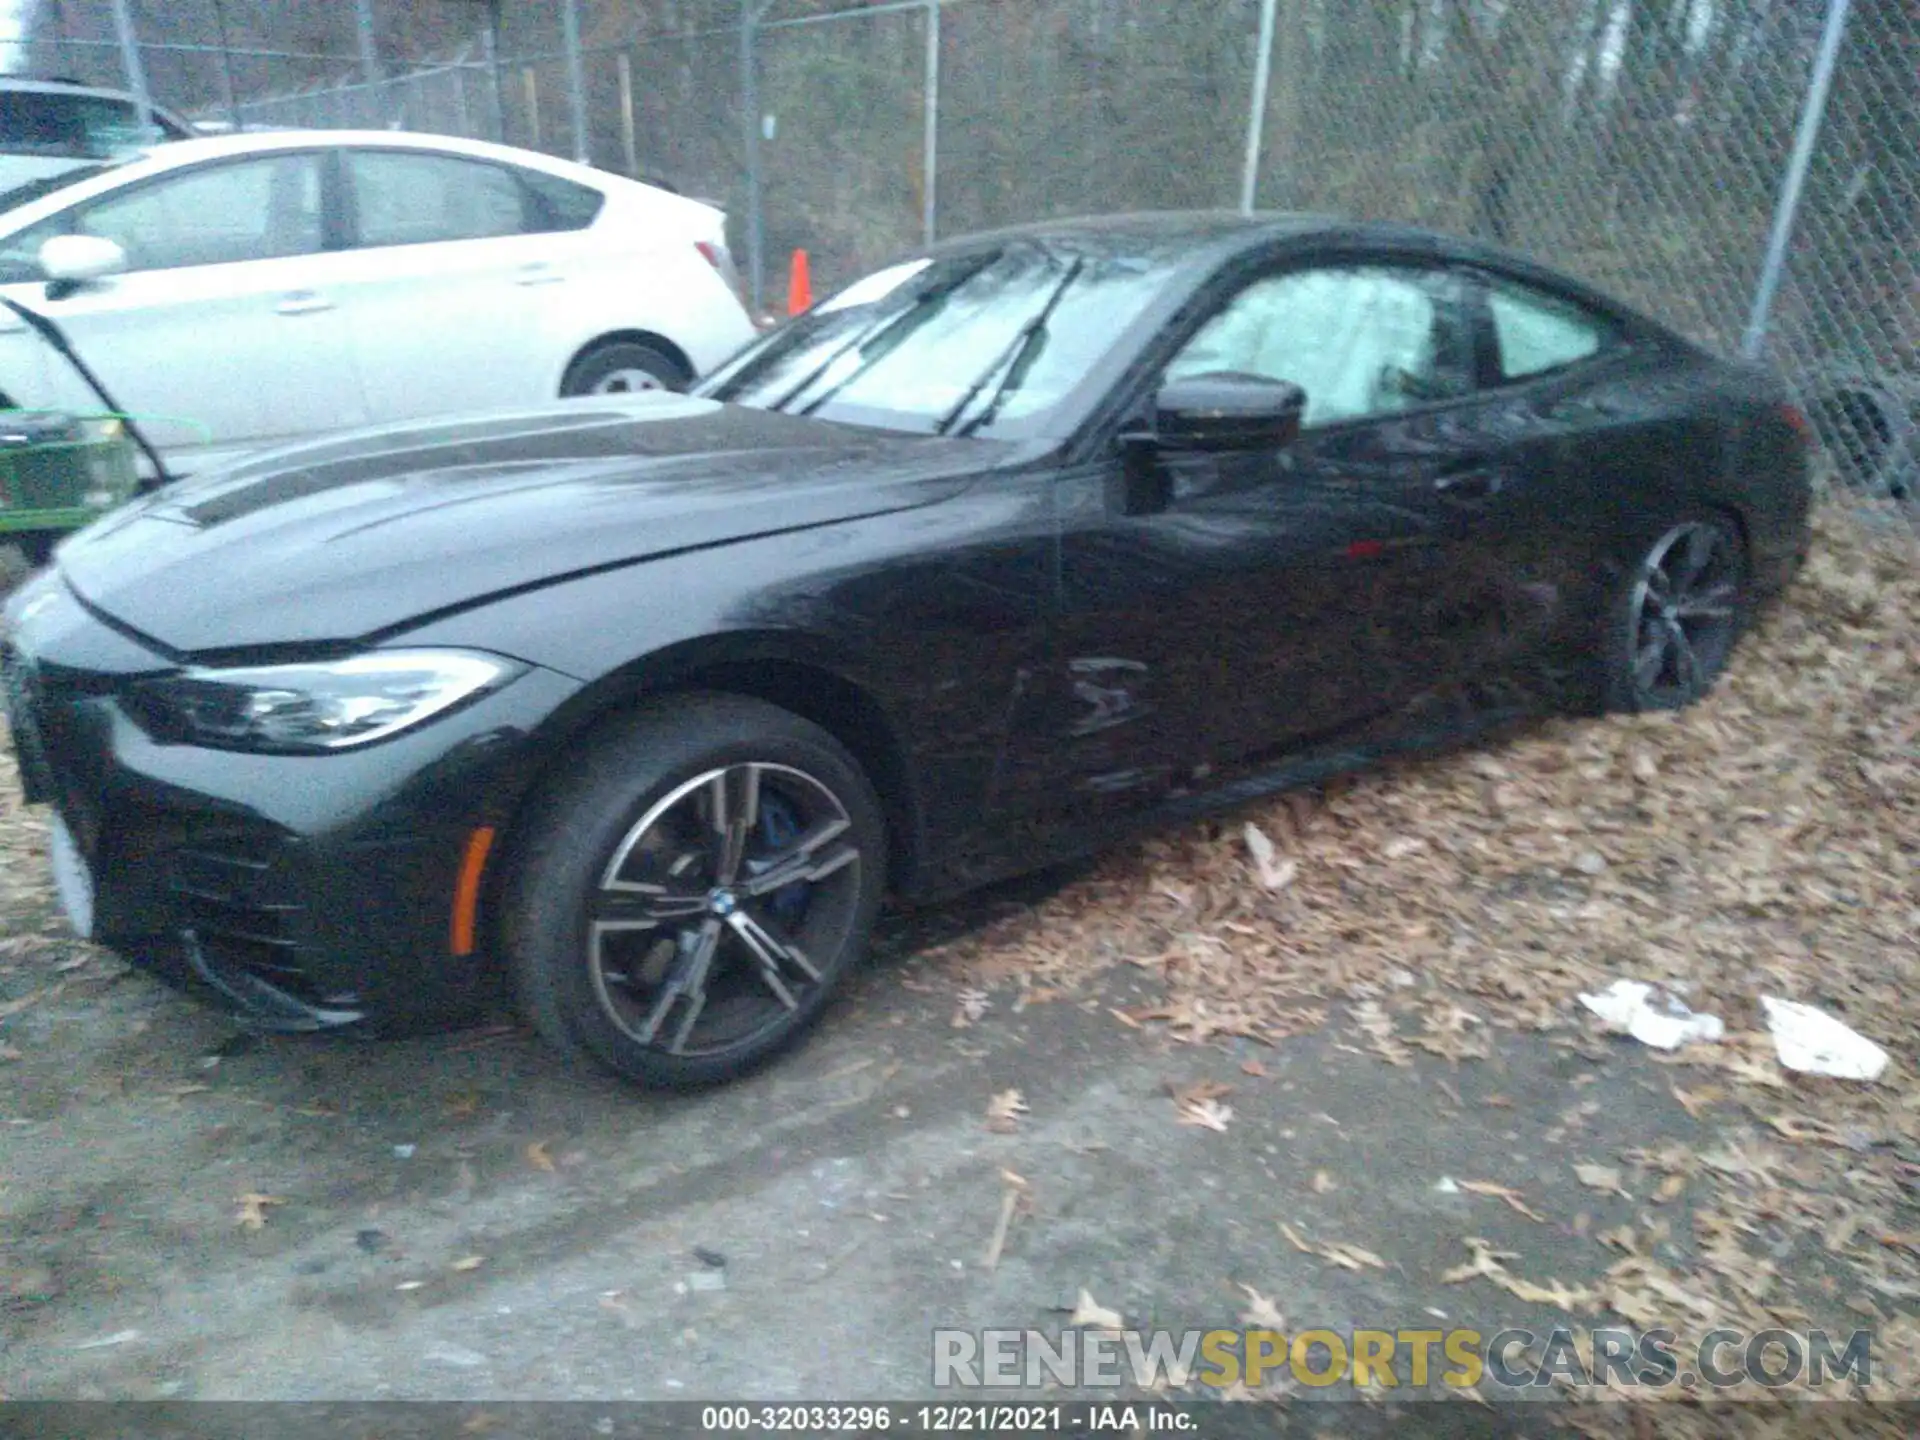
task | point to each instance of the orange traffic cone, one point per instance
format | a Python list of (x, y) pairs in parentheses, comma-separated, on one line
[(799, 285)]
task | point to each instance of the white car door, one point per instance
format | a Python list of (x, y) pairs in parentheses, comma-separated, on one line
[(450, 293), (216, 331)]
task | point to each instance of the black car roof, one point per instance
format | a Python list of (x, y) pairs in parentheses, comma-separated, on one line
[(1207, 237), (1172, 230)]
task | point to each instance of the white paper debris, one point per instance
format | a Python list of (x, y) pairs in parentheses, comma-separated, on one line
[(1813, 1042), (1651, 1016)]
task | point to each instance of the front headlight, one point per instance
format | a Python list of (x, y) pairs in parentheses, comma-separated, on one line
[(312, 708)]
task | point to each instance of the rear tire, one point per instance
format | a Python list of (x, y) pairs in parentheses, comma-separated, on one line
[(692, 893), (1675, 616), (624, 367)]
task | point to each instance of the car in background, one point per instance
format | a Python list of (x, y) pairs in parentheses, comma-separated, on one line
[(241, 291), (51, 126)]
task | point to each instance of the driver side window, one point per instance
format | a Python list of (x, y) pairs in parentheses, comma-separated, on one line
[(1360, 340)]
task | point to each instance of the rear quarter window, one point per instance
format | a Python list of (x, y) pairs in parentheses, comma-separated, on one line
[(1539, 333), (560, 204)]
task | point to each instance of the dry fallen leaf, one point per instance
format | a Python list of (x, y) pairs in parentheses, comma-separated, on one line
[(973, 1004), (1276, 872), (1004, 1112), (1552, 1293), (1351, 1257), (1207, 1114), (538, 1157), (1513, 1198), (1485, 1261), (1696, 1101), (1489, 1264), (252, 1214), (1601, 1177), (1839, 1235), (1669, 1188), (1261, 1312), (1253, 1068), (1322, 1182), (1091, 1313), (1347, 1257), (470, 1262)]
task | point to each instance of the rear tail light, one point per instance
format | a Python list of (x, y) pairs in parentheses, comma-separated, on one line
[(718, 256), (1797, 421)]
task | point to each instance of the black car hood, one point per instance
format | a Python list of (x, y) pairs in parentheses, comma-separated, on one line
[(359, 534)]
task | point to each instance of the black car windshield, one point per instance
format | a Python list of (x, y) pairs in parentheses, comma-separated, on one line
[(71, 125), (994, 341)]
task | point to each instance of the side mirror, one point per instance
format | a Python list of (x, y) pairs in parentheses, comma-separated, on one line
[(71, 260), (1227, 411)]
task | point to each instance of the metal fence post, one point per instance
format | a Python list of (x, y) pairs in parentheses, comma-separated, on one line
[(1257, 109), (462, 116), (369, 58), (490, 43), (930, 140), (576, 77), (130, 58), (750, 119), (629, 135), (1787, 210), (226, 68)]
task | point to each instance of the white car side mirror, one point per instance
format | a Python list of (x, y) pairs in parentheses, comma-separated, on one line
[(79, 258)]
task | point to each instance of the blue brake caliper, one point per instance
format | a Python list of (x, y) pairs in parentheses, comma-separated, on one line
[(779, 829)]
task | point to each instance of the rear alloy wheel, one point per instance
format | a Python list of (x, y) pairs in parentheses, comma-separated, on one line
[(693, 895), (623, 367), (1678, 615)]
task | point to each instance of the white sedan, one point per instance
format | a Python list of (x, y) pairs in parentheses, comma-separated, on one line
[(249, 290)]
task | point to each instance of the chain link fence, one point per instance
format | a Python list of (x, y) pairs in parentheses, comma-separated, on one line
[(1748, 170)]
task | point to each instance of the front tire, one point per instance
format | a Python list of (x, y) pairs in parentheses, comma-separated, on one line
[(1675, 616), (624, 367), (693, 892)]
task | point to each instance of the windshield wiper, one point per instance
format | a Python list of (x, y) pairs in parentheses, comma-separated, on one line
[(1014, 361), (893, 328)]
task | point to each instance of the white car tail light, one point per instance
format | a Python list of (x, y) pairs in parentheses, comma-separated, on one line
[(718, 256)]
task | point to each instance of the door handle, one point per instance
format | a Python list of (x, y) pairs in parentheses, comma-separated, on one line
[(538, 273), (302, 302), (1469, 486)]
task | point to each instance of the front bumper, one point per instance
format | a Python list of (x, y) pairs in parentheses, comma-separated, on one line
[(297, 892)]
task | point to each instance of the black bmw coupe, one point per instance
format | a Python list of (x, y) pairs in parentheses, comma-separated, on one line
[(994, 557)]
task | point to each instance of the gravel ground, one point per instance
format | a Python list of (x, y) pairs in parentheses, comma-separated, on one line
[(1324, 1059)]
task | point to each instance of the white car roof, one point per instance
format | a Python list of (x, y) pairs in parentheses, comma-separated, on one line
[(159, 159)]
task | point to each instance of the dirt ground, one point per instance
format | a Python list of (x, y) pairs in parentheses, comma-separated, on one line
[(1333, 1070)]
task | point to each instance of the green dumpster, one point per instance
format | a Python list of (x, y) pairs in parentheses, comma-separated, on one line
[(58, 472)]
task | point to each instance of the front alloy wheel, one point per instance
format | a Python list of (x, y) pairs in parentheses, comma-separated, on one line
[(696, 892), (711, 908)]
